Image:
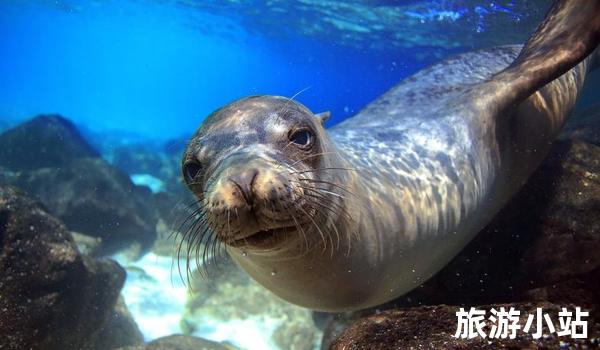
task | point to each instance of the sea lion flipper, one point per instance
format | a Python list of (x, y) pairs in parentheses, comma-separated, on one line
[(569, 34)]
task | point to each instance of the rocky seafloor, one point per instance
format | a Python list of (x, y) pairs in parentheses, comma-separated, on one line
[(87, 258)]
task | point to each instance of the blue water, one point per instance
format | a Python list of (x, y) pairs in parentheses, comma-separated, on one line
[(157, 68)]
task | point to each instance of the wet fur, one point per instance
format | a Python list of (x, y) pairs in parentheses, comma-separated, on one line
[(429, 163)]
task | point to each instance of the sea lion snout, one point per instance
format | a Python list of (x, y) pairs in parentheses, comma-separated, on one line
[(252, 183), (249, 196), (244, 181)]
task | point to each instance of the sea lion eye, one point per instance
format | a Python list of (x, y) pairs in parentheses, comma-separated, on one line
[(302, 138), (191, 170)]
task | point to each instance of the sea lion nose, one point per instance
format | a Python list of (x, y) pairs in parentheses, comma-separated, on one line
[(244, 181)]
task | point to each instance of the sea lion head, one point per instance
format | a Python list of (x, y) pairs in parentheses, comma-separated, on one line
[(259, 168)]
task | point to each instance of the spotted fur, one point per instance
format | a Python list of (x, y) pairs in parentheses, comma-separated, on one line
[(428, 164)]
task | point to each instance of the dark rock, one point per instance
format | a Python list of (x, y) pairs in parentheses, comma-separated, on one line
[(172, 207), (160, 161), (120, 330), (434, 327), (94, 198), (44, 141), (140, 159), (181, 342), (336, 325), (87, 245), (185, 342), (7, 176), (583, 291), (173, 211), (48, 158), (51, 297), (584, 126)]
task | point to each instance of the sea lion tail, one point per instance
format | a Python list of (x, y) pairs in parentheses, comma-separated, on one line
[(569, 34)]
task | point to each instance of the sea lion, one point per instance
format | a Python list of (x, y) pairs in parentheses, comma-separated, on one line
[(361, 213)]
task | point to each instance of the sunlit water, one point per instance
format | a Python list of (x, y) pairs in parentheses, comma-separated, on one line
[(156, 296), (156, 68)]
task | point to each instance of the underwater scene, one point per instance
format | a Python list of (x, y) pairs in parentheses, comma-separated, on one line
[(240, 175)]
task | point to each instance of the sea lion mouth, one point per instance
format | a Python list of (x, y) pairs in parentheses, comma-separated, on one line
[(264, 238)]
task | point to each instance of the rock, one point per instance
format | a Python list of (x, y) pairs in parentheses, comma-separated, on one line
[(162, 162), (295, 336), (86, 245), (93, 198), (140, 159), (120, 330), (173, 211), (337, 325), (583, 291), (51, 297), (181, 342), (173, 206), (434, 327), (584, 126), (85, 192), (184, 342), (44, 141)]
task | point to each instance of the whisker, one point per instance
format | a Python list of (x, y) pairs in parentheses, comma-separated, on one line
[(312, 156), (319, 169), (206, 233), (330, 202), (316, 226), (195, 232), (290, 100), (191, 215), (343, 188), (322, 190), (298, 227), (186, 227)]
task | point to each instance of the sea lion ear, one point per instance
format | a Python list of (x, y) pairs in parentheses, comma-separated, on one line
[(323, 116)]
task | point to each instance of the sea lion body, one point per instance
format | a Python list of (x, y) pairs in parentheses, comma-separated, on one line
[(433, 173), (383, 200)]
